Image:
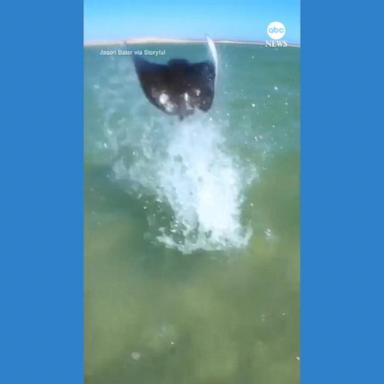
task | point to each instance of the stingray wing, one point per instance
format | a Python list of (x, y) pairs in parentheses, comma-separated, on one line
[(202, 84), (153, 80)]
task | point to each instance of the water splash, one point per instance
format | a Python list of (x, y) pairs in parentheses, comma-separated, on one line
[(185, 166)]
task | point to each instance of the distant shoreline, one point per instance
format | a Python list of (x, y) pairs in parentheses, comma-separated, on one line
[(158, 40)]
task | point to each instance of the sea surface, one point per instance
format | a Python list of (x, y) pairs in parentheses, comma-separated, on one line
[(192, 227)]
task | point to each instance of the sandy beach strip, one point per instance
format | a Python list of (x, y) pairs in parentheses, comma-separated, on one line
[(159, 40)]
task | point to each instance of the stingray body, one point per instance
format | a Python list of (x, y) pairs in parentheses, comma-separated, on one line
[(178, 87)]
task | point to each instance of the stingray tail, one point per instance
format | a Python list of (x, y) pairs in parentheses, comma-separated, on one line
[(213, 52)]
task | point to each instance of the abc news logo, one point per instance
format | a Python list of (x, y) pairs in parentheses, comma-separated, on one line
[(276, 31)]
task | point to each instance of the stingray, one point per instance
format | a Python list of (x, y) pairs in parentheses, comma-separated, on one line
[(178, 87)]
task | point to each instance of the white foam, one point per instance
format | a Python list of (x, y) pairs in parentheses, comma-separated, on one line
[(186, 166)]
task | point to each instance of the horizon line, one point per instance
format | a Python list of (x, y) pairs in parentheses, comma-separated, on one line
[(150, 40)]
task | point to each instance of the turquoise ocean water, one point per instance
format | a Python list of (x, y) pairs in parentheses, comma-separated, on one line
[(192, 227)]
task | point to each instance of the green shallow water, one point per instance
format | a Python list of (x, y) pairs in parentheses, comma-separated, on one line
[(192, 229)]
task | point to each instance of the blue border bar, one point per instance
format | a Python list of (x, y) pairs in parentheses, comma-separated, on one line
[(342, 193), (41, 246)]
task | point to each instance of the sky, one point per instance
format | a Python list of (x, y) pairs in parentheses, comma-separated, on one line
[(220, 19)]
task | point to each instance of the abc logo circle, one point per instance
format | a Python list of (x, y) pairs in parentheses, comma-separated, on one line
[(276, 30)]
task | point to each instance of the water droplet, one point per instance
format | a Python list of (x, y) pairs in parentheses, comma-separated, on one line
[(136, 355), (268, 233)]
